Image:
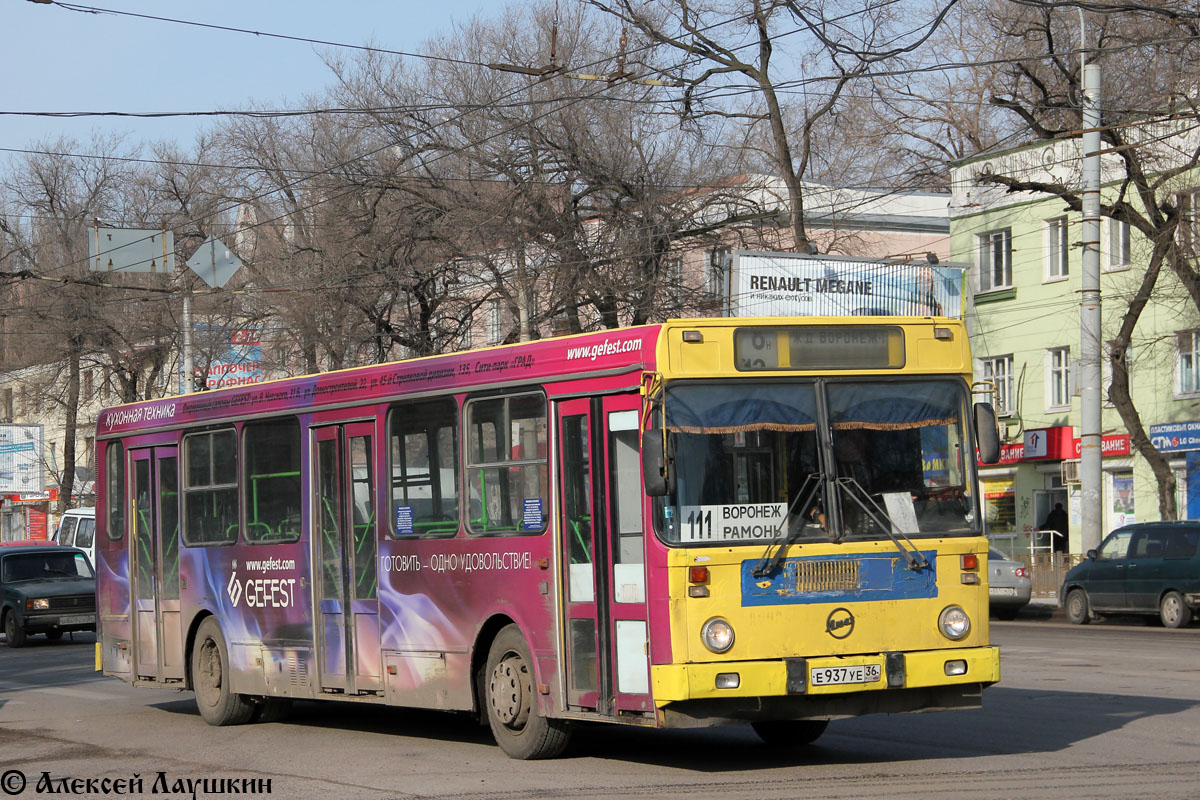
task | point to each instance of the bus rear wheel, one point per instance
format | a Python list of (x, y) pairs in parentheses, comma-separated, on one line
[(511, 702), (790, 732), (217, 703)]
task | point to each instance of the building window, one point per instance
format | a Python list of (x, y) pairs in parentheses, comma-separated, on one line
[(1000, 511), (714, 275), (1058, 377), (999, 371), (1057, 252), (1188, 234), (995, 260), (88, 386), (1106, 370), (672, 272), (494, 330), (1188, 360), (1118, 244)]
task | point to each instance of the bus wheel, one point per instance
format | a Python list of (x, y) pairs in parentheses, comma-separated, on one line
[(1077, 607), (218, 705), (1173, 611), (512, 711), (790, 732)]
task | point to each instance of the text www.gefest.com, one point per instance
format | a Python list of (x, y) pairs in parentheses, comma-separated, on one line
[(606, 348), (271, 564)]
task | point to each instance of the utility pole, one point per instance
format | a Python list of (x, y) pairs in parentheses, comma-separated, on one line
[(189, 379), (1089, 318)]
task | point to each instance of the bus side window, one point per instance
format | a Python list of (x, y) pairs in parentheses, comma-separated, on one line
[(114, 490), (424, 468), (507, 468), (272, 480), (210, 488)]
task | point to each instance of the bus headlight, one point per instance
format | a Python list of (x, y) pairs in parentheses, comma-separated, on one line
[(717, 635), (954, 623)]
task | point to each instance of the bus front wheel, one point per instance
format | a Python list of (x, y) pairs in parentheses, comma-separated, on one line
[(511, 702), (217, 703), (790, 732)]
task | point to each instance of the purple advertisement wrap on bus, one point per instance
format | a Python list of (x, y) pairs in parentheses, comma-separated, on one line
[(536, 361)]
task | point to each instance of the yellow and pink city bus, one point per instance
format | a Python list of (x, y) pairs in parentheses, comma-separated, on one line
[(764, 521)]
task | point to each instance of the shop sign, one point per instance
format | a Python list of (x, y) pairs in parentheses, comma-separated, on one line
[(1114, 444), (50, 495), (1175, 436), (1058, 444)]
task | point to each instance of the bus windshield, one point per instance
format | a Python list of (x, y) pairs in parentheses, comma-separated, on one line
[(817, 460)]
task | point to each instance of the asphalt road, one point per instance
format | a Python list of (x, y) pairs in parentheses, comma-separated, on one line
[(1102, 711)]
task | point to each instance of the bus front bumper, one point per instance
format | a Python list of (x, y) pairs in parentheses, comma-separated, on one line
[(930, 678)]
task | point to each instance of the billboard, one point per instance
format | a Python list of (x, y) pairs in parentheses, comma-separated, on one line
[(20, 459), (237, 356), (796, 285)]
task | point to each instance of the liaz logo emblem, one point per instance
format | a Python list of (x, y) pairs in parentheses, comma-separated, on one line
[(840, 623), (235, 589)]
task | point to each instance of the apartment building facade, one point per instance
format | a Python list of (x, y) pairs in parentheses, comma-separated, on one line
[(1023, 316)]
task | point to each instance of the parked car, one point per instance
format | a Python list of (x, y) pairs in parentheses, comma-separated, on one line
[(77, 528), (45, 588), (1144, 568), (1009, 585)]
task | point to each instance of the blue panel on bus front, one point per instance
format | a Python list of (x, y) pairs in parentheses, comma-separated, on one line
[(849, 578)]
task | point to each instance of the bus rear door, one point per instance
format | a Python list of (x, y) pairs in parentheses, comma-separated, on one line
[(347, 590), (607, 645), (154, 564)]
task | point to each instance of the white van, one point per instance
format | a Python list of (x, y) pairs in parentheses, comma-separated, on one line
[(77, 528)]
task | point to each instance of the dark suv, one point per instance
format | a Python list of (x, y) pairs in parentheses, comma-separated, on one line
[(1144, 568), (45, 589)]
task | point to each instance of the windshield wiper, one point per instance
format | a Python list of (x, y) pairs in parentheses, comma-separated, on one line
[(767, 564), (913, 557)]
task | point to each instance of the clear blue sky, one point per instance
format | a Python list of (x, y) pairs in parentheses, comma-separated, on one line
[(53, 59)]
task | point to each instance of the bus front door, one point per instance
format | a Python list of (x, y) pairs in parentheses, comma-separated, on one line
[(154, 565), (606, 637), (347, 590)]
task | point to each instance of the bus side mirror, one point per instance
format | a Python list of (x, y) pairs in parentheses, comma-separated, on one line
[(987, 433), (658, 479)]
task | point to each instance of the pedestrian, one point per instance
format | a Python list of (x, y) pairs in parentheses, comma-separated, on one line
[(1056, 520)]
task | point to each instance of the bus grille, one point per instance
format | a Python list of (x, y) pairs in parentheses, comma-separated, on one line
[(828, 576)]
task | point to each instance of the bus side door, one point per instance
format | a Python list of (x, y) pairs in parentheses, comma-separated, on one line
[(345, 577), (607, 664), (154, 564)]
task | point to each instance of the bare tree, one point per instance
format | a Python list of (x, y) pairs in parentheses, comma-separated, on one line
[(116, 321), (1030, 78), (728, 62)]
